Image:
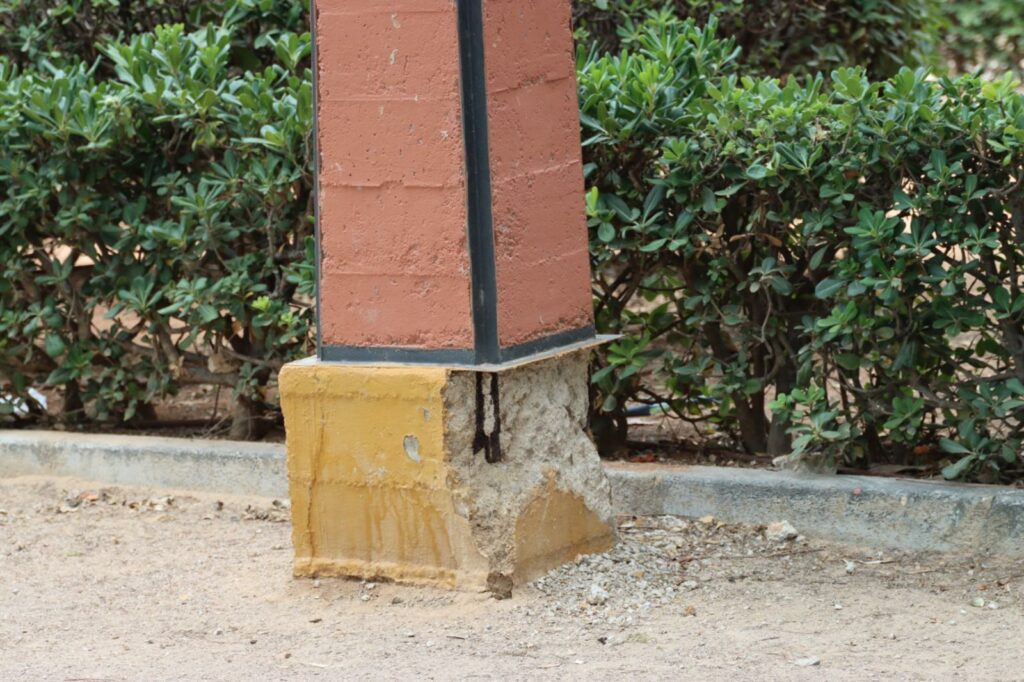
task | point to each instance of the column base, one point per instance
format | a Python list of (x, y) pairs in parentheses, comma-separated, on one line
[(445, 477)]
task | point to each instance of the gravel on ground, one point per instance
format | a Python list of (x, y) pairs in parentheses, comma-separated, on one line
[(109, 584)]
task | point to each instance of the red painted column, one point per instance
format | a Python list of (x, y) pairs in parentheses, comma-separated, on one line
[(450, 194), (540, 231), (394, 267)]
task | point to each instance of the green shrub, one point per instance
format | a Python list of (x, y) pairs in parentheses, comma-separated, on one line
[(846, 253), (36, 32), (154, 226), (819, 266), (986, 34), (783, 37)]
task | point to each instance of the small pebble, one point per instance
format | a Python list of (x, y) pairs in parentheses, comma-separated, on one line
[(780, 531), (598, 595)]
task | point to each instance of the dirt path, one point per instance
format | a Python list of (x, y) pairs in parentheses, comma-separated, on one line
[(125, 584)]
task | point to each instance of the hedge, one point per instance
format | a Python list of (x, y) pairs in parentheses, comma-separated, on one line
[(783, 37), (823, 267), (156, 202), (844, 252), (40, 32), (986, 35), (155, 226)]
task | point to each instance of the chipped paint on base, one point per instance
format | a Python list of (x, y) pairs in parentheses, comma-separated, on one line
[(364, 508)]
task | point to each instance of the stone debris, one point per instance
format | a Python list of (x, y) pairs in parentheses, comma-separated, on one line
[(659, 562), (781, 531), (808, 662), (74, 501), (598, 596)]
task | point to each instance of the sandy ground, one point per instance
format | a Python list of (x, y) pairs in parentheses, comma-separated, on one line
[(104, 584)]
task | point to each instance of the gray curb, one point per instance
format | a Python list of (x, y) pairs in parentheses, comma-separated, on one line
[(214, 466), (875, 512), (858, 510)]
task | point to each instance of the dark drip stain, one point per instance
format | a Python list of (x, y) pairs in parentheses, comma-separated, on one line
[(490, 443)]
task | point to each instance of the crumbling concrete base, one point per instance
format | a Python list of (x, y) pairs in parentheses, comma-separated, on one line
[(452, 478)]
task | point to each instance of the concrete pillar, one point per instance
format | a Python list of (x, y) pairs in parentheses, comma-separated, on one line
[(439, 436)]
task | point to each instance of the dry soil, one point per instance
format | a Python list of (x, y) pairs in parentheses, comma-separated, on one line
[(102, 584)]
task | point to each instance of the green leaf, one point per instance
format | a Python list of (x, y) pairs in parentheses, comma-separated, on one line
[(654, 199), (708, 202), (959, 468), (757, 172), (848, 361), (817, 258), (656, 245), (620, 207), (54, 345), (781, 286), (828, 288), (207, 313), (953, 447)]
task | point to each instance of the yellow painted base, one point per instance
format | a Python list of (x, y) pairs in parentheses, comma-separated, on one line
[(372, 486), (555, 528)]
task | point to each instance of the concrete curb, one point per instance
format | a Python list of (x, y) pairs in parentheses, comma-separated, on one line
[(214, 466), (875, 512), (858, 510)]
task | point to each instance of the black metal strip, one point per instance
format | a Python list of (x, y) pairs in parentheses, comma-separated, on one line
[(454, 356), (396, 354), (480, 227), (547, 343), (313, 19)]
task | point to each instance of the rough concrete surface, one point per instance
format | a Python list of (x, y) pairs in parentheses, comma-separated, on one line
[(547, 499), (126, 585)]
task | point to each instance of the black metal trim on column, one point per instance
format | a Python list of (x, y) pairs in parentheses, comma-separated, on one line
[(455, 357), (480, 227), (316, 176), (563, 339)]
